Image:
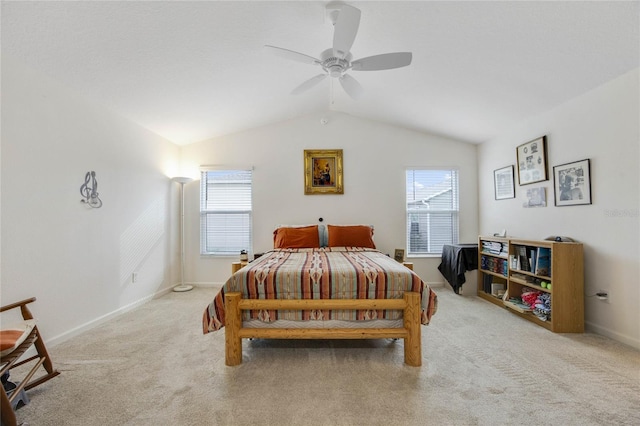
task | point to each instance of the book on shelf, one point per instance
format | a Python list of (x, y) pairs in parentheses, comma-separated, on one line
[(532, 260), (497, 266), (531, 257), (496, 248), (518, 276), (543, 262), (523, 257), (487, 280)]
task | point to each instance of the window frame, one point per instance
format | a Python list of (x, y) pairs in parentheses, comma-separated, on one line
[(452, 214), (207, 211)]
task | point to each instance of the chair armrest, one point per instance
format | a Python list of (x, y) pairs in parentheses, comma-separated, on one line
[(23, 307)]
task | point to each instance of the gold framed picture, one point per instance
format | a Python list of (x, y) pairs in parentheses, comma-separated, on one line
[(323, 171)]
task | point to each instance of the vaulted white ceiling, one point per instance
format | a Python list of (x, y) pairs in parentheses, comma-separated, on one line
[(190, 71)]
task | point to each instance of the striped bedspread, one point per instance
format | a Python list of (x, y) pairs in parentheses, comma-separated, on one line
[(325, 273)]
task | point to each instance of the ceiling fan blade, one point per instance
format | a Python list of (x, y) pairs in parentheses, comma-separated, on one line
[(345, 31), (385, 61), (351, 86), (309, 84), (290, 54)]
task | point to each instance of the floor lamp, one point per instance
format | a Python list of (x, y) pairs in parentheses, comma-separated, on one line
[(182, 286)]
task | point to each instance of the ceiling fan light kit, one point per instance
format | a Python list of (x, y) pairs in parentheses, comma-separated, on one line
[(336, 61)]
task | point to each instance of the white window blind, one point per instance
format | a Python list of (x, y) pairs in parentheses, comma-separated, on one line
[(225, 212), (432, 210)]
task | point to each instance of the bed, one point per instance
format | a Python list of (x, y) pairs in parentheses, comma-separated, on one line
[(315, 286)]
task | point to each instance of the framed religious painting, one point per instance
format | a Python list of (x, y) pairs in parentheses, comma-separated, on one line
[(532, 161), (323, 171)]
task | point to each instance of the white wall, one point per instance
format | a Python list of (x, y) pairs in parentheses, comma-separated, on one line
[(78, 261), (602, 125), (375, 158)]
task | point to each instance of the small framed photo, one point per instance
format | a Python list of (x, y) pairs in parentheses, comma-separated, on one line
[(536, 197), (572, 183), (399, 255), (503, 183), (323, 171), (532, 161)]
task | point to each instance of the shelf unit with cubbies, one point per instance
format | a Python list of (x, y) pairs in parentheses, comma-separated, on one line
[(554, 268), (493, 267)]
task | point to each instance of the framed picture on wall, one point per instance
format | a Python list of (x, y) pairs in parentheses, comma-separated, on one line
[(532, 161), (572, 183), (535, 197), (399, 255), (323, 171), (503, 183)]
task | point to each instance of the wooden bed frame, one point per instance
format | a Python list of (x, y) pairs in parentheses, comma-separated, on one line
[(410, 332)]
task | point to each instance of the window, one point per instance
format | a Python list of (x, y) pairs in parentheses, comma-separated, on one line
[(225, 212), (432, 210)]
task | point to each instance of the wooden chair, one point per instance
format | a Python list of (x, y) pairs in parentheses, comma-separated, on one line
[(10, 358)]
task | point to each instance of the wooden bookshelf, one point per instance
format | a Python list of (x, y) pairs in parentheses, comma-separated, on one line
[(492, 266), (520, 264)]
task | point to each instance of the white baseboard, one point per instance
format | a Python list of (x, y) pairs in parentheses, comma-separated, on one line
[(207, 284), (603, 331), (104, 318)]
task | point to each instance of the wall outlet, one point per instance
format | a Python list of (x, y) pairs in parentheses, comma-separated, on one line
[(134, 277), (604, 295)]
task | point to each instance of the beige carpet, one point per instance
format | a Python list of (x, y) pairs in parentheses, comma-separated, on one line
[(481, 366)]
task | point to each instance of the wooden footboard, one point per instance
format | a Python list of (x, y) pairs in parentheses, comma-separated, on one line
[(234, 332)]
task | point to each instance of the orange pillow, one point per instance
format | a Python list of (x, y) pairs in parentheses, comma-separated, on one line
[(13, 337), (351, 236), (300, 237)]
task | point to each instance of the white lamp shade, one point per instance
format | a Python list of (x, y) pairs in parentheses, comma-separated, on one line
[(182, 179)]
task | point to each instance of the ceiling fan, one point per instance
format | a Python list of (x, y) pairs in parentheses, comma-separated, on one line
[(336, 61)]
